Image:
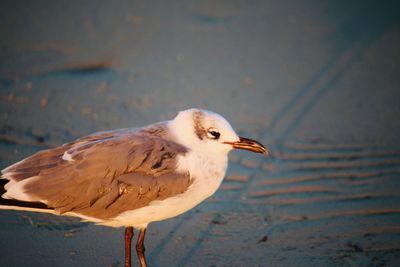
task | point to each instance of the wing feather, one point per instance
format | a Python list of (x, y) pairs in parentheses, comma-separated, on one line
[(110, 172)]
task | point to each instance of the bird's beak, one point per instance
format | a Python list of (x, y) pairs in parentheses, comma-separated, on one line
[(249, 144)]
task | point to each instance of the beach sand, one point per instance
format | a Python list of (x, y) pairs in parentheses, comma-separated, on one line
[(316, 81)]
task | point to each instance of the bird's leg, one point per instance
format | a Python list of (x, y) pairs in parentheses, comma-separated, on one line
[(128, 241), (140, 248)]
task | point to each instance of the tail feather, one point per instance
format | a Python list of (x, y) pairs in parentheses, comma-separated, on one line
[(13, 204)]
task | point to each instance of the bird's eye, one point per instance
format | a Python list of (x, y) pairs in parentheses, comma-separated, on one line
[(213, 133)]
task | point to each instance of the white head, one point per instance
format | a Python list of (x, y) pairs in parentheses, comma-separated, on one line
[(204, 130)]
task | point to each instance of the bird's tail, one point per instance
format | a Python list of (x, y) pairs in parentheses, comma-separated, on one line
[(13, 204)]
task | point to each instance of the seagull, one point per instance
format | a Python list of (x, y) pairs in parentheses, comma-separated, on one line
[(128, 177)]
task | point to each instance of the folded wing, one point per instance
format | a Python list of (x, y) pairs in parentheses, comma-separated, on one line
[(100, 175)]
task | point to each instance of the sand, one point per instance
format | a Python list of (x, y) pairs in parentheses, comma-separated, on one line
[(315, 81)]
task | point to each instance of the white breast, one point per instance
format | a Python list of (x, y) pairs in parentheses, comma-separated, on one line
[(207, 174)]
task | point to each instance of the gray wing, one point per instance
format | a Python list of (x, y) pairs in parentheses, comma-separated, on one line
[(49, 158), (107, 173)]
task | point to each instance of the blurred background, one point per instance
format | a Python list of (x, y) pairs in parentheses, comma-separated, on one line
[(318, 82)]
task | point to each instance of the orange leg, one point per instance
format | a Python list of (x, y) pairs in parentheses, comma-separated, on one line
[(128, 241), (140, 248)]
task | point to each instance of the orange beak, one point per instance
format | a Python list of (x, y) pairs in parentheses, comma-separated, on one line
[(249, 144)]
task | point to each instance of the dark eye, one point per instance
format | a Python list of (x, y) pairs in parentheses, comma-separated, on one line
[(213, 134)]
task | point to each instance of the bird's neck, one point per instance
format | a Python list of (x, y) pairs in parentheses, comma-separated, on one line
[(207, 171)]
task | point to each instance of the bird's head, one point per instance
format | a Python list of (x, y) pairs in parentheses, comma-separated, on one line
[(204, 130)]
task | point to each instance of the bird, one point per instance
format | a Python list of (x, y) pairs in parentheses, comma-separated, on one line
[(128, 177)]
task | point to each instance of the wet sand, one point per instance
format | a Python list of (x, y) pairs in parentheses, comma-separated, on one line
[(316, 81)]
